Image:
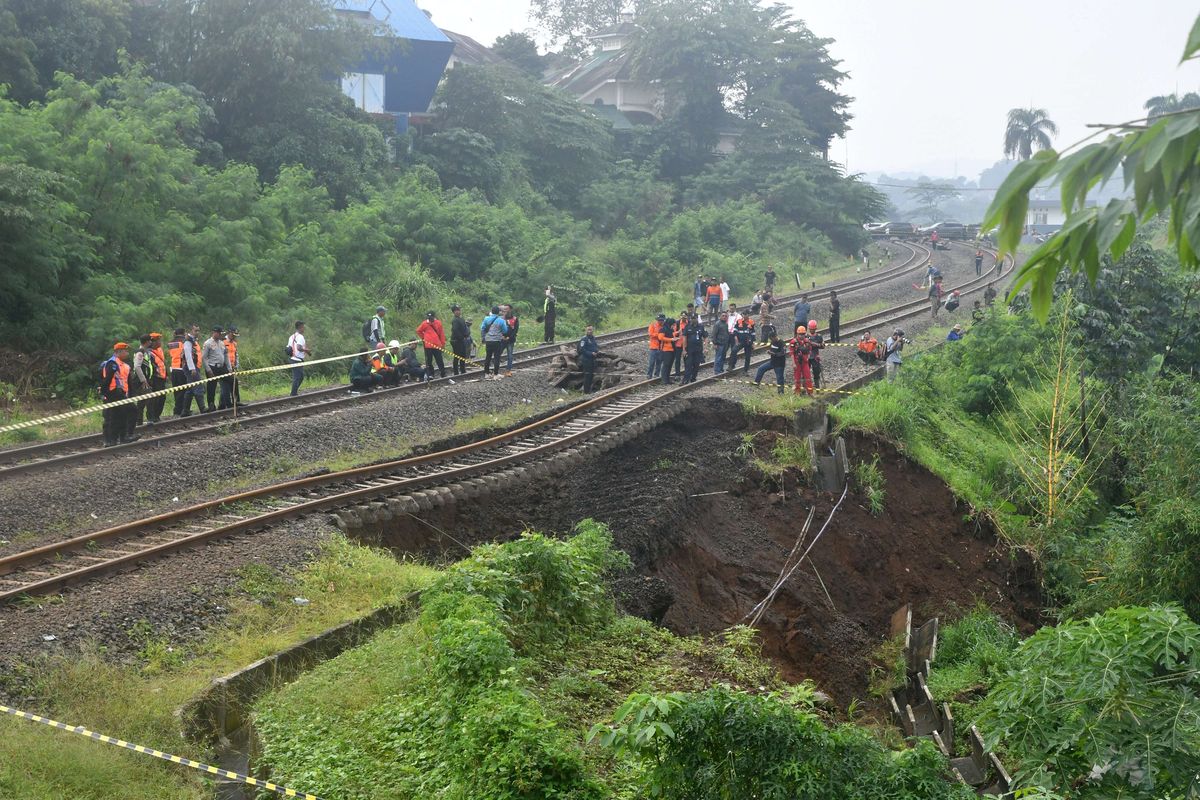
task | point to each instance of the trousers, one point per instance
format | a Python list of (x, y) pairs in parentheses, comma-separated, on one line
[(778, 374), (803, 375), (432, 355), (461, 354), (494, 351)]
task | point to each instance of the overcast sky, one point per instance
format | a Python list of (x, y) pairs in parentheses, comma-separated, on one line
[(934, 79)]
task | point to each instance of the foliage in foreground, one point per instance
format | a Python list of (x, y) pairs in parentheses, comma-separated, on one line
[(726, 744), (1105, 706)]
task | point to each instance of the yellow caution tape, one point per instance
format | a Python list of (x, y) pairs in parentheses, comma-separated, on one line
[(802, 391), (137, 748)]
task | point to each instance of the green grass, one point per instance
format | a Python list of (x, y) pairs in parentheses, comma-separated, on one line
[(137, 702), (772, 404), (870, 479)]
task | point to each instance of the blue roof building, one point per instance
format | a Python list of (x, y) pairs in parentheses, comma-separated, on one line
[(400, 76)]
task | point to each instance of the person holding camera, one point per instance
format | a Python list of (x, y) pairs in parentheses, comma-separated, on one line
[(892, 348)]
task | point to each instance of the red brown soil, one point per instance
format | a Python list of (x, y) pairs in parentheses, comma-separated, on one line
[(702, 563)]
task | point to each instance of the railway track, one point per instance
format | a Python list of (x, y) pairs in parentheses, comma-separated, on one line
[(76, 450), (381, 491)]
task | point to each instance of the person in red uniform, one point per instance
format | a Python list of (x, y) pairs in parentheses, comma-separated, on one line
[(800, 350), (114, 386), (433, 336)]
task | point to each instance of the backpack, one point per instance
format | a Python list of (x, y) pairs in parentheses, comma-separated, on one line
[(496, 326)]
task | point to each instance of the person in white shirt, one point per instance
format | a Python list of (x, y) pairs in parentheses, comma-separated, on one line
[(298, 350), (724, 292), (734, 316)]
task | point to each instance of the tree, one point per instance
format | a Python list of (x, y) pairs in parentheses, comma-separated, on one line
[(1027, 129), (1163, 104), (16, 52), (1157, 160), (520, 50), (569, 22), (930, 196), (78, 37)]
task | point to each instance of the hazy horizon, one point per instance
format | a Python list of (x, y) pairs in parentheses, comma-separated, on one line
[(932, 99)]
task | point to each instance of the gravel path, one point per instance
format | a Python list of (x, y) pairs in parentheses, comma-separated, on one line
[(45, 507)]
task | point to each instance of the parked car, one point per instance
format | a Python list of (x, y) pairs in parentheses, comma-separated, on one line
[(899, 229)]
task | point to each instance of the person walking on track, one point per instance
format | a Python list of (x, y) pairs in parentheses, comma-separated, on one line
[(588, 351), (433, 337), (979, 262), (494, 331), (721, 338), (460, 341), (549, 314), (297, 350), (835, 317)]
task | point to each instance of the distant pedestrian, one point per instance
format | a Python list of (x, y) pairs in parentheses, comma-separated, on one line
[(892, 351), (955, 334), (713, 293), (935, 297), (460, 341), (835, 317), (408, 366), (140, 374), (374, 332), (725, 292), (989, 294), (182, 369), (191, 349), (699, 290), (721, 338), (114, 387), (931, 272), (588, 351), (777, 353), (494, 331), (235, 363), (652, 331), (677, 361), (297, 351), (979, 262), (510, 338), (953, 301), (215, 360), (694, 335), (433, 338), (815, 344), (769, 279), (158, 380), (977, 313), (801, 313), (549, 314), (766, 326), (666, 348)]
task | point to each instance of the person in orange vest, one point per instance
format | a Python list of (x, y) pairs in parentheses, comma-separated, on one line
[(232, 386), (183, 368), (802, 370), (868, 349), (743, 340), (655, 345), (382, 368), (666, 347), (158, 380), (141, 370), (114, 386)]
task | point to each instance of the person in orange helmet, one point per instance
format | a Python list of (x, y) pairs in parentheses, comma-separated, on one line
[(816, 344), (801, 350)]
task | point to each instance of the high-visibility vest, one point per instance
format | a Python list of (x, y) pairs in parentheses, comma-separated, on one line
[(653, 330), (175, 348), (160, 366), (120, 375), (231, 350)]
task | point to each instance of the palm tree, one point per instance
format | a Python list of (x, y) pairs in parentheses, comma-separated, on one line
[(1170, 103), (1028, 128)]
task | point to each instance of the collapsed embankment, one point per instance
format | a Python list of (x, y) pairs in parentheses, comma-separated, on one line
[(709, 531)]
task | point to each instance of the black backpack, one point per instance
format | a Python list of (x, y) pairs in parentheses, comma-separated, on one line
[(366, 330)]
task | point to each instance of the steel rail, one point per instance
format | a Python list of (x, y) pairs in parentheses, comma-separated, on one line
[(564, 430), (74, 450)]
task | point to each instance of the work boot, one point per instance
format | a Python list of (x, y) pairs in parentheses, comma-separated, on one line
[(130, 439)]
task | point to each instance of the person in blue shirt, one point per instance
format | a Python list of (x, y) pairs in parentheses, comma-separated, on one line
[(495, 332), (588, 350), (955, 334)]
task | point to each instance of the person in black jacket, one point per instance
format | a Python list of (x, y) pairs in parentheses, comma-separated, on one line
[(588, 350), (720, 339), (694, 335), (835, 317), (460, 341), (778, 353)]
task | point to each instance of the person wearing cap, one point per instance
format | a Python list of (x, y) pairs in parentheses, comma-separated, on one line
[(654, 365), (362, 379), (177, 355), (297, 350), (433, 337), (743, 341), (588, 351), (510, 339), (140, 373), (158, 380), (460, 341), (694, 334), (191, 363), (230, 383), (215, 359), (376, 333), (493, 329), (114, 386), (955, 334)]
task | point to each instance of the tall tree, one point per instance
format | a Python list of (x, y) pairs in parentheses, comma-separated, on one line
[(930, 196), (1028, 129), (1163, 104), (520, 50), (569, 22)]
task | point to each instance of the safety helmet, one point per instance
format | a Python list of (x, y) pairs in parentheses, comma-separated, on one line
[(812, 324), (381, 346), (394, 343)]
